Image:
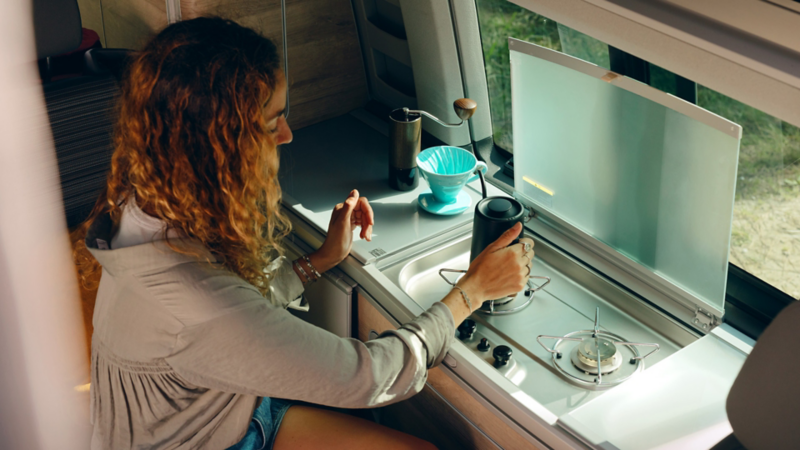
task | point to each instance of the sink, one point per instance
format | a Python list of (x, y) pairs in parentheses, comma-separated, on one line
[(419, 277)]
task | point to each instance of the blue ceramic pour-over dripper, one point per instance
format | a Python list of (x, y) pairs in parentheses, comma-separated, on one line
[(447, 170)]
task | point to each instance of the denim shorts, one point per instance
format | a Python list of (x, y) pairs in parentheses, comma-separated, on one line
[(264, 425)]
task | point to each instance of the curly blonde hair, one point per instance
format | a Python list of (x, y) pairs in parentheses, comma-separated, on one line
[(192, 146)]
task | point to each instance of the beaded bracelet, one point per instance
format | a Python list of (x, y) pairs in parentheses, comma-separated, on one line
[(302, 271), (466, 298), (311, 266)]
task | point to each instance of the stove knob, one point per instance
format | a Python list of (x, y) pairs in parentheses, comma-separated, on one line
[(467, 329), (484, 345), (502, 354)]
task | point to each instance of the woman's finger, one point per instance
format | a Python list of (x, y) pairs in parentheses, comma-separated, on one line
[(367, 218), (366, 208), (350, 205), (505, 238)]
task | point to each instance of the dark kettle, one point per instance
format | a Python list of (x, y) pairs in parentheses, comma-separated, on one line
[(493, 216)]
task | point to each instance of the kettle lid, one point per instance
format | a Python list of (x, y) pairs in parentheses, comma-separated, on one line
[(500, 208)]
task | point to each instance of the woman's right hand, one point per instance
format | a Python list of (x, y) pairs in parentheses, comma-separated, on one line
[(500, 270)]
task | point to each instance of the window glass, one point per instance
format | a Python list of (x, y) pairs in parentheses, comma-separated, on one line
[(500, 20), (765, 239)]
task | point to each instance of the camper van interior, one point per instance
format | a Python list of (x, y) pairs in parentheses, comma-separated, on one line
[(650, 151)]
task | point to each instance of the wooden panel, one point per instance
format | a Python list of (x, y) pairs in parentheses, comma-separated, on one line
[(326, 73), (427, 417), (92, 17), (370, 319), (480, 416), (131, 23), (423, 406)]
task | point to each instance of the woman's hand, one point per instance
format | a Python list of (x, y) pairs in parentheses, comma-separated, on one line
[(353, 212), (499, 271)]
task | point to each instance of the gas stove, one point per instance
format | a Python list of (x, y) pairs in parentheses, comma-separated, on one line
[(593, 359), (596, 359), (522, 338)]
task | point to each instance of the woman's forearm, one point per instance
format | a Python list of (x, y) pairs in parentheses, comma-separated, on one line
[(321, 262), (457, 302), (307, 270)]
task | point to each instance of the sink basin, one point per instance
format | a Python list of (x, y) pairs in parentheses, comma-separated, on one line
[(419, 277)]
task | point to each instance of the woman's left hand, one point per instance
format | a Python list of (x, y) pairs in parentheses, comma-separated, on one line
[(353, 212)]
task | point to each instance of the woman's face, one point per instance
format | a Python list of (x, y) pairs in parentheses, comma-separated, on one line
[(274, 112)]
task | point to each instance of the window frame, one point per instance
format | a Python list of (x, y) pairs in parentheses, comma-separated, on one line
[(750, 303)]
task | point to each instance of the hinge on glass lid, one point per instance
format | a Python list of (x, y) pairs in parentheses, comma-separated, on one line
[(530, 212), (704, 319)]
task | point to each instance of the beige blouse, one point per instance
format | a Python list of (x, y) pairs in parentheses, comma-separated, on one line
[(182, 350)]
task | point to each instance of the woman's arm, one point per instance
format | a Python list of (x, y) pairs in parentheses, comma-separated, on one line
[(353, 213), (497, 272), (260, 350), (255, 348)]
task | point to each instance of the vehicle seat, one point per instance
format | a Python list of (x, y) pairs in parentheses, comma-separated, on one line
[(80, 109), (764, 402)]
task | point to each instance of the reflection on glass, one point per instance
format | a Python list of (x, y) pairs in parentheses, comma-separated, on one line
[(652, 183)]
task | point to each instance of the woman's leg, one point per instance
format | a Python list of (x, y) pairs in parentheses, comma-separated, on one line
[(306, 427)]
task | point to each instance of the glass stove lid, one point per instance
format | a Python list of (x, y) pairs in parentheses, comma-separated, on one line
[(647, 174)]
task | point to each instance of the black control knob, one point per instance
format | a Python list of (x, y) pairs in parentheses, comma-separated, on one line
[(484, 345), (467, 329), (502, 354)]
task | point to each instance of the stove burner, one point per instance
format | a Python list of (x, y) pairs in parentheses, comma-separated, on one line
[(506, 305), (585, 356), (598, 356), (590, 349)]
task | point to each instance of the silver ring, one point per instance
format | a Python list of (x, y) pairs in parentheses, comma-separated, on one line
[(529, 268), (527, 247)]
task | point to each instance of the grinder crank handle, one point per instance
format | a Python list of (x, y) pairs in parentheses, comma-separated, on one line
[(464, 108)]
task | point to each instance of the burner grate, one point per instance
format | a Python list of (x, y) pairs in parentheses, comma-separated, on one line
[(597, 354), (503, 305)]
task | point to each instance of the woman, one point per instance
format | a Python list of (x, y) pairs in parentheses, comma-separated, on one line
[(192, 345)]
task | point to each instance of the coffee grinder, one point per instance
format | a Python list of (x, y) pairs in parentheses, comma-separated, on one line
[(405, 133)]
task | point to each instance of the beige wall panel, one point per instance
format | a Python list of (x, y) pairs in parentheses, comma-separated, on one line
[(326, 72), (92, 17), (131, 23)]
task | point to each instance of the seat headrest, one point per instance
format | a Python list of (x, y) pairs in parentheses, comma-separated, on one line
[(57, 26), (764, 401)]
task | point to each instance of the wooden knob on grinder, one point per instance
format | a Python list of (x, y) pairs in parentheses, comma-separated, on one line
[(465, 108)]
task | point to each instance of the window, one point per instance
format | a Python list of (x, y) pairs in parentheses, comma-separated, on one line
[(765, 239), (500, 20)]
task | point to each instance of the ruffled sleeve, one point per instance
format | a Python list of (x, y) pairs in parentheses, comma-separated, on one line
[(285, 289)]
